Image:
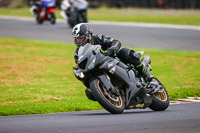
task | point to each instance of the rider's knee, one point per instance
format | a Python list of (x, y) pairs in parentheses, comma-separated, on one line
[(123, 54)]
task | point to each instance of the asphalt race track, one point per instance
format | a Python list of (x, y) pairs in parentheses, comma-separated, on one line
[(178, 118), (181, 118), (134, 36)]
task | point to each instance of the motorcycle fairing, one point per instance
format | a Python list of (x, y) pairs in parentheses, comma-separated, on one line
[(50, 10), (107, 63)]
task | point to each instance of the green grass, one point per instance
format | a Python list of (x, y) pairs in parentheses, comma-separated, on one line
[(37, 76), (184, 17), (145, 15)]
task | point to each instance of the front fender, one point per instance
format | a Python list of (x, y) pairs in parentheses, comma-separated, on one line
[(104, 79), (50, 10)]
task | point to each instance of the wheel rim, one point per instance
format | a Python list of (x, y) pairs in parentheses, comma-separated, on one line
[(161, 94), (114, 100)]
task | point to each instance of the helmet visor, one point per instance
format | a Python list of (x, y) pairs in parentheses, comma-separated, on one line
[(80, 39)]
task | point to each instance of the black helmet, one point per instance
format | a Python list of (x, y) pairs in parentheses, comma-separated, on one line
[(82, 33)]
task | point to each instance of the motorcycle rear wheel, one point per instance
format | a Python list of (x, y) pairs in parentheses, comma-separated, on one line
[(52, 18), (113, 104), (72, 19), (160, 99), (82, 17)]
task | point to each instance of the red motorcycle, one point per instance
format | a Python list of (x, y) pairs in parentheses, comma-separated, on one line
[(44, 10), (46, 15)]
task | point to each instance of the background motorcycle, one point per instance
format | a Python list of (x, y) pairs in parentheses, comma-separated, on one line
[(44, 11), (75, 12), (118, 86)]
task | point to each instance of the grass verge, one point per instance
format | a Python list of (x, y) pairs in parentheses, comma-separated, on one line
[(183, 17), (37, 76)]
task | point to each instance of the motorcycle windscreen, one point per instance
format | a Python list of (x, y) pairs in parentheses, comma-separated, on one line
[(87, 49)]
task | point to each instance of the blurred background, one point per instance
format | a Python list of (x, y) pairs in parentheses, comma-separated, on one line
[(165, 4)]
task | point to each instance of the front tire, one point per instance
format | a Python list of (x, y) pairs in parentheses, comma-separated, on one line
[(113, 104), (160, 99), (38, 19)]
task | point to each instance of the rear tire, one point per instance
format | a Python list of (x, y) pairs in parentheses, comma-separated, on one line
[(72, 19), (160, 99), (84, 17), (52, 18), (114, 105)]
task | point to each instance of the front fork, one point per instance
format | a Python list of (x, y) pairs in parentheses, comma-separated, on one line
[(121, 72), (108, 85)]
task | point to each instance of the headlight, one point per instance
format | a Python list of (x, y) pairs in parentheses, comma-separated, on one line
[(80, 75)]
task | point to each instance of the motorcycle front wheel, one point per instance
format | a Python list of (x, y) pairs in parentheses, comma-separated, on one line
[(38, 19), (113, 104), (160, 99)]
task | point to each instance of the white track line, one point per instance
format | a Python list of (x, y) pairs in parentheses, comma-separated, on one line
[(148, 25)]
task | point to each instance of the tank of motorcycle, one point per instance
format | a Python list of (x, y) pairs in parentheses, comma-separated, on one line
[(90, 56)]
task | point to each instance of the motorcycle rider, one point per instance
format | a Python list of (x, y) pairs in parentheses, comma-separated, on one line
[(80, 5), (35, 4), (83, 34)]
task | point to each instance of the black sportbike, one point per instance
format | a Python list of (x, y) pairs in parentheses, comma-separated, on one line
[(118, 86), (76, 16)]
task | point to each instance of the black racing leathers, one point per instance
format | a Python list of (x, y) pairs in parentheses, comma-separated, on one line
[(106, 43)]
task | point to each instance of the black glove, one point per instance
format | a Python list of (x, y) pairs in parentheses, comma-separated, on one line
[(112, 51)]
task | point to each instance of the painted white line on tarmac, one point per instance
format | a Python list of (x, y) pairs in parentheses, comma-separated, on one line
[(148, 25), (17, 18)]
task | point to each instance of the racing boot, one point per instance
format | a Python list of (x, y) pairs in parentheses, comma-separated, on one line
[(141, 66), (147, 76), (144, 73), (146, 60)]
